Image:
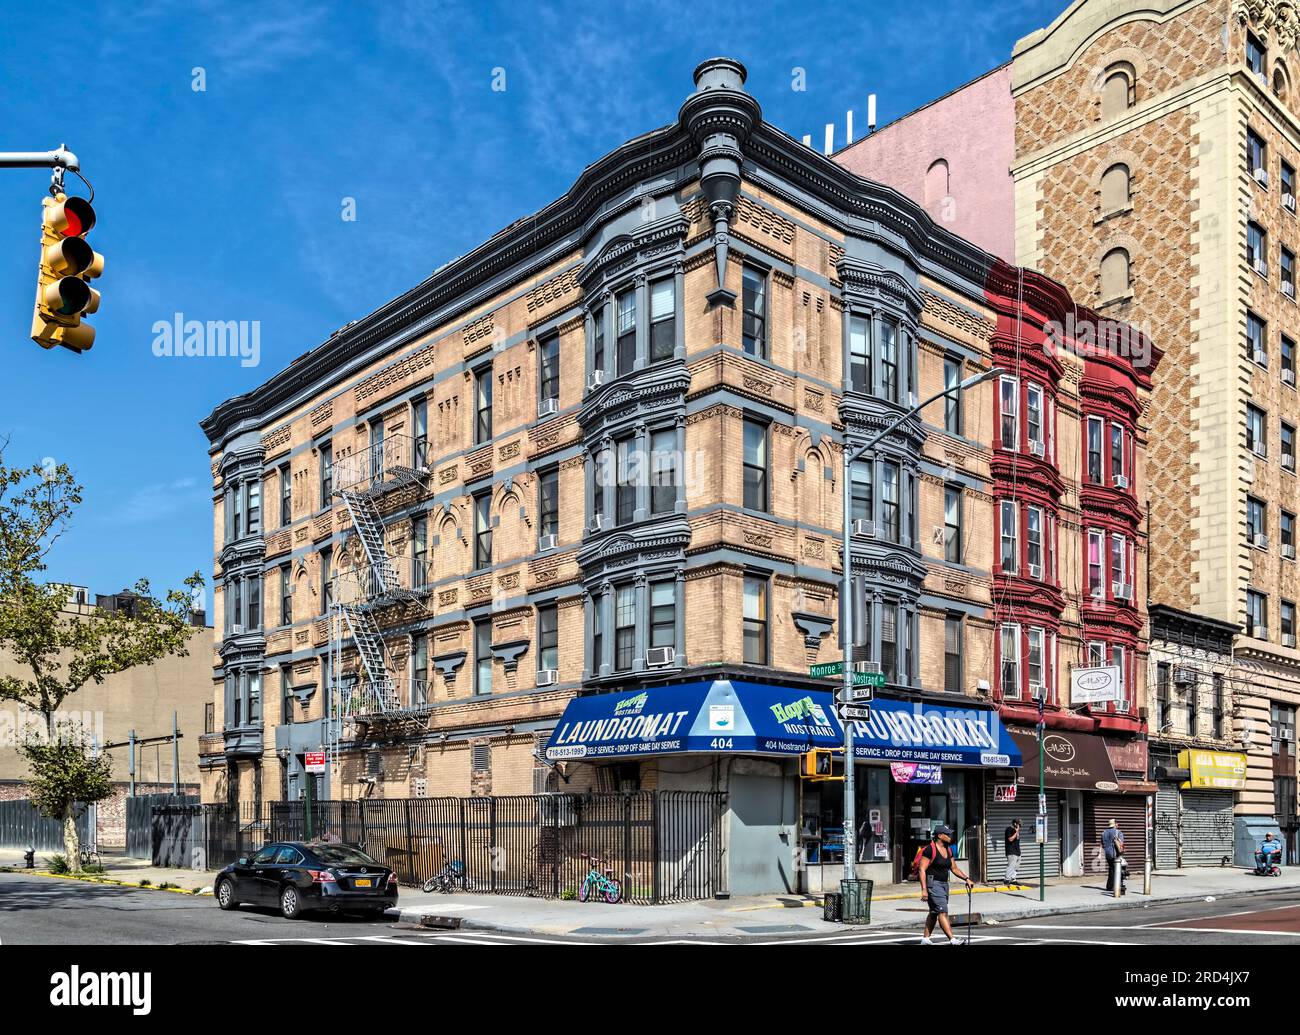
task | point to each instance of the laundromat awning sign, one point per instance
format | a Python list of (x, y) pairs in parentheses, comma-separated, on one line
[(715, 716), (920, 731)]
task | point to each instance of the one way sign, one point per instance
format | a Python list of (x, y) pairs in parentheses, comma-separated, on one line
[(853, 712)]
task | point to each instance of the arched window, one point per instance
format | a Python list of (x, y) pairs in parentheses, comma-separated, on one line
[(1280, 82), (936, 182), (1115, 188), (1117, 92), (1114, 274)]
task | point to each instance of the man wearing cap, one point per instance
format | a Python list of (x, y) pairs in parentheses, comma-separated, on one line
[(936, 863)]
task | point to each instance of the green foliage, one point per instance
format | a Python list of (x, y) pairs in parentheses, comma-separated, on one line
[(165, 885), (57, 864), (145, 882), (64, 773)]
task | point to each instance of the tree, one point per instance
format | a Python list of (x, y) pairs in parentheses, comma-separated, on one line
[(61, 653), (65, 778)]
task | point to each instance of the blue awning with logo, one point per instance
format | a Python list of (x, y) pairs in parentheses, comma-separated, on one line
[(711, 716), (920, 731)]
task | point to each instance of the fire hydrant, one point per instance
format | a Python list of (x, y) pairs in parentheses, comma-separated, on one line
[(29, 859)]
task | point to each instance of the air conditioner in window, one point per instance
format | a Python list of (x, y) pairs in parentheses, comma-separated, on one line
[(595, 379), (1260, 357), (1261, 177), (864, 529), (1261, 541), (598, 522), (1288, 377), (546, 542), (547, 677), (1288, 640), (548, 407), (1184, 675), (1261, 632), (1037, 448), (1098, 594), (1288, 202), (1121, 481), (1288, 551), (1288, 289), (1122, 592), (1288, 462), (1035, 571), (658, 657), (1261, 267), (1286, 733), (237, 629)]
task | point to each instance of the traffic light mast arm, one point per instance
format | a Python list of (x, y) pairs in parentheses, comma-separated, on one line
[(59, 159)]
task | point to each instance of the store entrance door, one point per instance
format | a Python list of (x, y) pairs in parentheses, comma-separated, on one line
[(922, 808), (1072, 834)]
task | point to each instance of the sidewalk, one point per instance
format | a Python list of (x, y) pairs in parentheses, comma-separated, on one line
[(121, 869), (893, 907)]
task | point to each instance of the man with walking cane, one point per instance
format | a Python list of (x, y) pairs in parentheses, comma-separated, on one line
[(936, 863)]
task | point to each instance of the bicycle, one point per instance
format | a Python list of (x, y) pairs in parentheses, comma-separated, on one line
[(446, 879), (600, 881)]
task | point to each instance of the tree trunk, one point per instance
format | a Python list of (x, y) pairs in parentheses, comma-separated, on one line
[(71, 842)]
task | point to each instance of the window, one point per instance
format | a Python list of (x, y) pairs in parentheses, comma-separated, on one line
[(549, 374), (1009, 396), (952, 416), (1115, 280), (663, 613), (1118, 563), (598, 339), (1257, 248), (1220, 706), (209, 718), (482, 405), (230, 514), (1256, 522), (1096, 585), (1286, 263), (548, 502), (1256, 155), (1256, 339), (1287, 528), (420, 436), (952, 647), (1256, 615), (1010, 661), (1161, 716), (483, 656), (1118, 476), (1256, 55), (1117, 661), (1288, 361), (889, 359), (1115, 189), (548, 637), (663, 471), (1256, 430), (860, 354), (326, 475), (1288, 623), (754, 312), (755, 620), (663, 320), (419, 694), (1034, 541), (239, 511), (419, 551), (756, 496), (1288, 445), (889, 642), (1034, 416), (255, 506), (625, 336), (1010, 539), (952, 523), (255, 601), (624, 627), (625, 481), (377, 449), (286, 497), (597, 634), (861, 501), (890, 510), (937, 179), (483, 530), (1288, 187), (286, 596), (1035, 665), (326, 579), (1095, 426), (1117, 90)]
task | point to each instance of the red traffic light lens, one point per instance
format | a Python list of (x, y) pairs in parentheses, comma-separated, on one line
[(73, 217)]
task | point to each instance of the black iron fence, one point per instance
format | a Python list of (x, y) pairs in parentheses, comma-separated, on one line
[(662, 846), (23, 826)]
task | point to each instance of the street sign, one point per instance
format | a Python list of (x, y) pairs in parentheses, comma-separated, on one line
[(314, 761), (862, 672), (855, 693), (1042, 804), (853, 712), (1040, 830)]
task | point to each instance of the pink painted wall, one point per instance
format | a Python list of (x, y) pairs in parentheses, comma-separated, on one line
[(973, 130)]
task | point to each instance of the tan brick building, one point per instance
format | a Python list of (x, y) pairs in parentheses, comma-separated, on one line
[(601, 455)]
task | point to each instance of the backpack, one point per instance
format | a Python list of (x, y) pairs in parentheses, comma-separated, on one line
[(915, 873)]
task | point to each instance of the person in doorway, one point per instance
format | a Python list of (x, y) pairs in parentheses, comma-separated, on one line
[(1112, 846), (1012, 841), (937, 863)]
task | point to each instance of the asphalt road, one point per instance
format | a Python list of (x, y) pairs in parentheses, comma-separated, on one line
[(48, 911)]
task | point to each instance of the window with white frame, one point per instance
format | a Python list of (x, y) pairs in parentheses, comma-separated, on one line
[(1009, 402), (1096, 561), (1010, 539), (1035, 663), (1009, 652), (1034, 417), (1034, 541)]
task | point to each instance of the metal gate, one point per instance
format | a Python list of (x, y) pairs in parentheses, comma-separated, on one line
[(1167, 832), (998, 816), (1207, 827), (23, 826), (1130, 812)]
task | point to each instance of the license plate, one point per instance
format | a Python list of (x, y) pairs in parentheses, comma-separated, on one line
[(361, 882)]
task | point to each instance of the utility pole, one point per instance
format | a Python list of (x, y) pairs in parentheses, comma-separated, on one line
[(176, 756), (851, 456), (1042, 845), (131, 764)]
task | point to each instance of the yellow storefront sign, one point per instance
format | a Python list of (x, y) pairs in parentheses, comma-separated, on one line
[(1220, 770)]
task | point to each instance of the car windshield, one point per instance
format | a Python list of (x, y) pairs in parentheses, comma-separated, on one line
[(342, 855)]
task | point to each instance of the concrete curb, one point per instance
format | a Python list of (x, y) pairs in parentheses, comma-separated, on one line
[(93, 878)]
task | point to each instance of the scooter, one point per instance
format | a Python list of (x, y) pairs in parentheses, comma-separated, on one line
[(1265, 866)]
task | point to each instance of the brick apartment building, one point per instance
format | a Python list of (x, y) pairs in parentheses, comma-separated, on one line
[(566, 515), (1149, 152)]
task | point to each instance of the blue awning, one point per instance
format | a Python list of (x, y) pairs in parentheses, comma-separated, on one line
[(711, 716), (919, 731)]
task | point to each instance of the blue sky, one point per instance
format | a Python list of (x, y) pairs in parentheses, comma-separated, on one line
[(226, 203)]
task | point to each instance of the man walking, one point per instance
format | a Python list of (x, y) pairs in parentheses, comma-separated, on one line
[(1012, 841), (1112, 845), (936, 863)]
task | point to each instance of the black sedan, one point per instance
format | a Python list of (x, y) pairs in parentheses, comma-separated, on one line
[(297, 877)]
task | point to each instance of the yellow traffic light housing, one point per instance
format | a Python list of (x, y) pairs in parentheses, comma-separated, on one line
[(68, 264), (822, 764)]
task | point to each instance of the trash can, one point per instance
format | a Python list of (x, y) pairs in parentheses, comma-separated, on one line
[(855, 905), (831, 907)]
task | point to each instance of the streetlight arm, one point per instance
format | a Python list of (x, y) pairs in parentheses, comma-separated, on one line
[(956, 389)]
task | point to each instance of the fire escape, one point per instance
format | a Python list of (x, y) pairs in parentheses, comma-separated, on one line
[(366, 701)]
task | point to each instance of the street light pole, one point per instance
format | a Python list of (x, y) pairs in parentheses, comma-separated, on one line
[(851, 456)]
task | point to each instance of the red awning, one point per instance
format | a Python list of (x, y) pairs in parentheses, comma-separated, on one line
[(1072, 761)]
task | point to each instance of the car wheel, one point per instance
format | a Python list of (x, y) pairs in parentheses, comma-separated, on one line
[(226, 895), (290, 903)]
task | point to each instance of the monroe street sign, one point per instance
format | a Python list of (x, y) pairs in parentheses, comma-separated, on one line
[(836, 668)]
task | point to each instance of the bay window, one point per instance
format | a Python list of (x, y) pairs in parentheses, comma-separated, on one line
[(1034, 417), (1009, 396), (1009, 652), (624, 627), (1095, 474), (1096, 575), (625, 336), (1010, 538), (754, 312), (860, 354), (663, 320), (663, 613), (1034, 538), (889, 501)]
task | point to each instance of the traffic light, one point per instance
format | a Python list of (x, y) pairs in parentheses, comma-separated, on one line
[(68, 264), (822, 764)]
